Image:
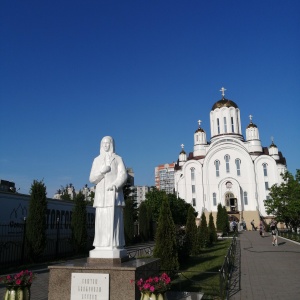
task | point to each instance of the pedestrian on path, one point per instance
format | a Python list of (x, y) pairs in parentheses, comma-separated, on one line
[(274, 231), (252, 224), (261, 228)]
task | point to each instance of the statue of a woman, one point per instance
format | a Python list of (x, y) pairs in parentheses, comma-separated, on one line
[(109, 174)]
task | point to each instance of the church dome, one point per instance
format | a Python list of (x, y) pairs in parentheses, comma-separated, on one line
[(273, 145), (199, 130), (251, 125), (224, 103)]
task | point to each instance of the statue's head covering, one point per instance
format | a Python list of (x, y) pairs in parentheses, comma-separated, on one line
[(112, 145)]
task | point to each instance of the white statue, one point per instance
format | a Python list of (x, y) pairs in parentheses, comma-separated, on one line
[(109, 174)]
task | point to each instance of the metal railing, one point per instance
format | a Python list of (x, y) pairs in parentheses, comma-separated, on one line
[(227, 269), (13, 248), (14, 251)]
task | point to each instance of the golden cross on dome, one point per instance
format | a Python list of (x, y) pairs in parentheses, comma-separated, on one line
[(223, 91)]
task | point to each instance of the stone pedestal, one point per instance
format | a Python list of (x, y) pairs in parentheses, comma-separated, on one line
[(120, 276)]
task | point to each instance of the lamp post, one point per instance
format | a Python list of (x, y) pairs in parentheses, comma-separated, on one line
[(180, 177)]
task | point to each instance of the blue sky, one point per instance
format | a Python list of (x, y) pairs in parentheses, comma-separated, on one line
[(143, 72)]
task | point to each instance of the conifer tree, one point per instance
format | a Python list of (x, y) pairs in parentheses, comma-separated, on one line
[(165, 239), (144, 225), (212, 230), (79, 224), (203, 232), (222, 219), (191, 232), (219, 221), (129, 221), (225, 220), (36, 220)]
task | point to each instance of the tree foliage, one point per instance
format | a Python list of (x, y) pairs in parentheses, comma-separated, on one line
[(212, 230), (284, 202), (144, 223), (222, 219), (165, 238), (79, 224), (178, 206), (36, 220), (191, 232), (203, 232), (129, 221), (130, 213)]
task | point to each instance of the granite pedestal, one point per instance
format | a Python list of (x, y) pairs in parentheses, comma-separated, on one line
[(120, 276)]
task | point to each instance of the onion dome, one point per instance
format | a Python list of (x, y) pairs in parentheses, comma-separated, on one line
[(224, 102), (273, 145), (182, 156), (182, 150), (199, 129), (251, 124)]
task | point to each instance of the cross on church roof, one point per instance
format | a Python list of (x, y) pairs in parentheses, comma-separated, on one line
[(250, 117), (182, 146), (199, 122), (223, 91)]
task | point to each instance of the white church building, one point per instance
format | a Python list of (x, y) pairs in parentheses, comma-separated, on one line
[(228, 169)]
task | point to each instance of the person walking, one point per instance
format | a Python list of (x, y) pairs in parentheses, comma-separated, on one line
[(274, 232), (261, 227), (252, 224)]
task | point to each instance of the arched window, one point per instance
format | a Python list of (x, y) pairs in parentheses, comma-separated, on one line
[(214, 199), (194, 201), (225, 125), (232, 125), (193, 189), (217, 164), (246, 198), (265, 169), (238, 166), (228, 197), (218, 124), (227, 158), (192, 174)]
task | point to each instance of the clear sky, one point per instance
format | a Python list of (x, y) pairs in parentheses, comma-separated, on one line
[(144, 72)]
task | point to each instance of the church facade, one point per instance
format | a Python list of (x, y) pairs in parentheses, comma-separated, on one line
[(228, 169)]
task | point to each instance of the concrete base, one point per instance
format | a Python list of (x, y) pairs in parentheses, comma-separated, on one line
[(108, 253), (120, 276)]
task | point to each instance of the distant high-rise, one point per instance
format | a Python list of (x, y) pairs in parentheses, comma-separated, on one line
[(164, 177)]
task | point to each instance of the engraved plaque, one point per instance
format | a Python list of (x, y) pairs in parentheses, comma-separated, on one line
[(89, 286)]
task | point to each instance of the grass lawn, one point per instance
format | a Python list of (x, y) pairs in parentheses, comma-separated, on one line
[(201, 273)]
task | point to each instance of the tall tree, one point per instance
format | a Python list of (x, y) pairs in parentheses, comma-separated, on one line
[(79, 224), (191, 233), (212, 230), (130, 213), (203, 232), (36, 220), (222, 219), (165, 239), (144, 224), (178, 206), (129, 221), (219, 221), (284, 202)]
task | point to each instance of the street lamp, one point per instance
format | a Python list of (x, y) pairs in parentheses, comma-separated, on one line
[(180, 177)]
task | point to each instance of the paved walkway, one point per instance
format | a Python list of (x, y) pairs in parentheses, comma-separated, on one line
[(266, 271)]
